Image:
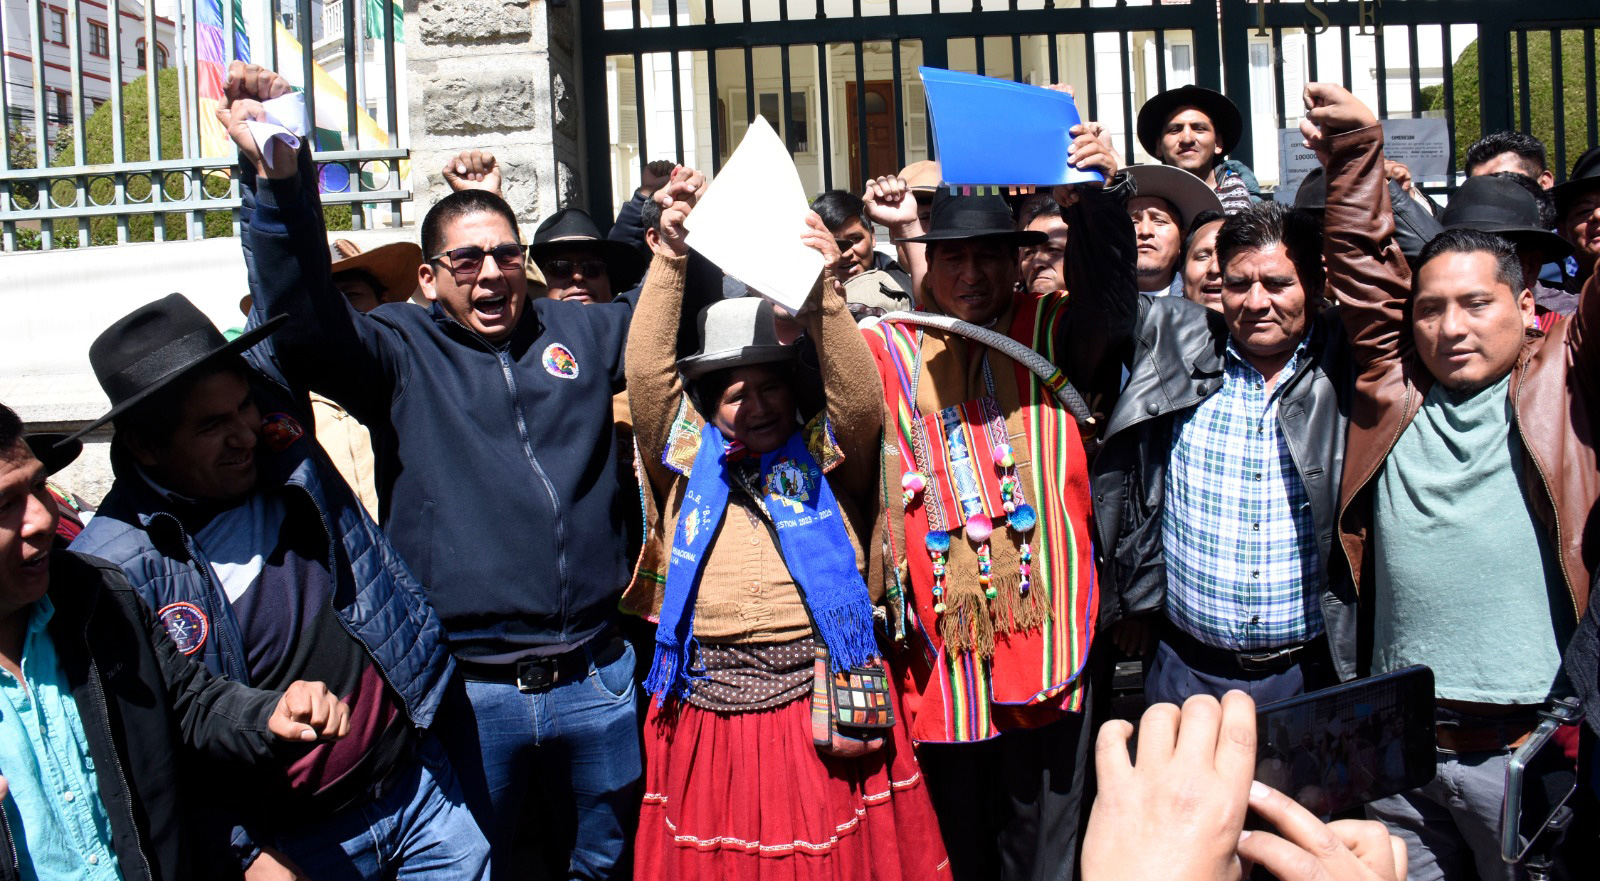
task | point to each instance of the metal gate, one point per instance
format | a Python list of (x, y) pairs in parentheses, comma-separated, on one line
[(679, 79)]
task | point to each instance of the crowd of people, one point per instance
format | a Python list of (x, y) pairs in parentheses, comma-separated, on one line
[(577, 558)]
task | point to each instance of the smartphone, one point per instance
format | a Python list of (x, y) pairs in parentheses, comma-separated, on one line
[(1341, 747)]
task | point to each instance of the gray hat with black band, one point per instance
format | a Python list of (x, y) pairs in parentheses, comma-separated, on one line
[(735, 333)]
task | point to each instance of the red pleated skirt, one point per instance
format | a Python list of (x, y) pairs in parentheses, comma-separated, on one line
[(747, 797)]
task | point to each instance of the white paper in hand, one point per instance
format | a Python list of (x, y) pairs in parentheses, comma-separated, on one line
[(286, 121), (750, 220)]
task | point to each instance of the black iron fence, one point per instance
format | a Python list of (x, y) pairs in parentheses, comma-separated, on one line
[(680, 79)]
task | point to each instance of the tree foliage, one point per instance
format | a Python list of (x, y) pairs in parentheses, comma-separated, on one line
[(1545, 103), (98, 134)]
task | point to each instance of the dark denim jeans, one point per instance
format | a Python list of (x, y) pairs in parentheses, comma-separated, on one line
[(564, 763), (422, 830)]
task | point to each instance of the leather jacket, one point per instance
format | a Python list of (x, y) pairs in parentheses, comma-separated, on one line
[(1178, 361), (1555, 383)]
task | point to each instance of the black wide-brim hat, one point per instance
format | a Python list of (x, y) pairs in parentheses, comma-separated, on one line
[(1496, 205), (55, 451), (1225, 117), (574, 228), (1585, 178), (974, 217), (153, 346)]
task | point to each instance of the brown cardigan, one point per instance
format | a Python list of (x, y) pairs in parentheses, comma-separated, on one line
[(1555, 384), (746, 592)]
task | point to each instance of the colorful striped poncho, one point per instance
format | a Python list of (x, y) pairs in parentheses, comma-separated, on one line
[(1033, 673)]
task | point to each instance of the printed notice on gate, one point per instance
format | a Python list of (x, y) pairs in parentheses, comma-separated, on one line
[(1422, 145), (751, 217)]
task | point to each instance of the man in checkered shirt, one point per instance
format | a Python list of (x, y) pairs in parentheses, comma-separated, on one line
[(1216, 491)]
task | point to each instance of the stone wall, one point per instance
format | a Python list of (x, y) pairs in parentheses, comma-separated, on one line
[(499, 75)]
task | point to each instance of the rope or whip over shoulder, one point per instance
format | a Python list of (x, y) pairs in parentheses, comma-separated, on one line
[(1040, 366)]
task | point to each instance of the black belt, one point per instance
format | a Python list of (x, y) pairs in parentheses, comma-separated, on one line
[(1255, 661), (541, 674)]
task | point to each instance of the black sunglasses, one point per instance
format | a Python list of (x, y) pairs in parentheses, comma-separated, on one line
[(465, 263), (565, 268)]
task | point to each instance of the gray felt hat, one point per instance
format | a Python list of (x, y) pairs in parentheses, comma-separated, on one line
[(734, 333)]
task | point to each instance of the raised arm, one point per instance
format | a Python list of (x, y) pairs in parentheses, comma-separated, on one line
[(890, 202), (849, 376), (1096, 334), (1366, 270), (325, 346), (655, 390)]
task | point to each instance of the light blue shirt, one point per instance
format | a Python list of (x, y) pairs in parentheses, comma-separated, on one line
[(57, 820), (1236, 527)]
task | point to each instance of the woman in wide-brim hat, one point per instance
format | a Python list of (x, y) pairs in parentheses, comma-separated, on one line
[(762, 522)]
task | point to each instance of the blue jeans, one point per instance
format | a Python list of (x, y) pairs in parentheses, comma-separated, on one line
[(419, 831), (567, 757)]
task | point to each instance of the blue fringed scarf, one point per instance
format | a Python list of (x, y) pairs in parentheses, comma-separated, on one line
[(811, 536)]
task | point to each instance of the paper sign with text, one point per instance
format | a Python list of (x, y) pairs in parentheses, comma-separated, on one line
[(750, 220)]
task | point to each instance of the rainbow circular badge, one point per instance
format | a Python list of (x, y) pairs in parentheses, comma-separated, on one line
[(558, 361)]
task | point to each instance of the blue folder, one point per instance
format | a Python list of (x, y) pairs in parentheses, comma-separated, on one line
[(992, 132)]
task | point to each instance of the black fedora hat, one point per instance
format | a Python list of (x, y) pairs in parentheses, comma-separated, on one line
[(1585, 177), (147, 349), (974, 217), (571, 227), (1494, 204), (1224, 115), (56, 451)]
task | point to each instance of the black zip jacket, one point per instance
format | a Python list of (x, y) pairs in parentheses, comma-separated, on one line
[(496, 464), (1178, 361), (140, 700)]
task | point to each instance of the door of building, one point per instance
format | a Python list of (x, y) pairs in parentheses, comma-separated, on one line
[(882, 143)]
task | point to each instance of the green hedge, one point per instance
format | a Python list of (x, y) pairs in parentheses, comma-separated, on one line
[(1576, 95), (136, 148)]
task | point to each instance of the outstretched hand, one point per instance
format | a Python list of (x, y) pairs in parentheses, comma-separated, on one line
[(1331, 110), (247, 87), (817, 237), (307, 712), (472, 170), (1177, 813), (1306, 849), (677, 199)]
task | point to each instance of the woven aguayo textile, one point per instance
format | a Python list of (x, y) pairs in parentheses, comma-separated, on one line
[(1003, 640)]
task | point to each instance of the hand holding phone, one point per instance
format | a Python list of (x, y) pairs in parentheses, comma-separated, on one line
[(1341, 747), (1304, 848), (1175, 814)]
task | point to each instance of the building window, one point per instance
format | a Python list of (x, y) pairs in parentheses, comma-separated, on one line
[(57, 21), (139, 57), (99, 40), (63, 102)]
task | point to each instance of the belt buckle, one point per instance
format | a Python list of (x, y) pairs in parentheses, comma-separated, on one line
[(536, 675), (1256, 662), (1452, 725)]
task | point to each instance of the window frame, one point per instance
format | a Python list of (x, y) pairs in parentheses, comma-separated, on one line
[(99, 40)]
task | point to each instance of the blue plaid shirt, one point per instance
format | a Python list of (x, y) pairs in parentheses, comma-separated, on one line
[(1239, 541)]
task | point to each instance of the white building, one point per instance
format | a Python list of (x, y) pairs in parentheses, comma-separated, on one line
[(801, 123), (56, 33)]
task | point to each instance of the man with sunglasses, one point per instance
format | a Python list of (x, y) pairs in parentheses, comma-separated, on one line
[(568, 251), (497, 474), (578, 264)]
